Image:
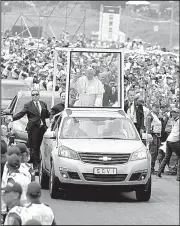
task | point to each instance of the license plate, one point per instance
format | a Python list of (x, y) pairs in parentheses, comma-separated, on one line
[(105, 171)]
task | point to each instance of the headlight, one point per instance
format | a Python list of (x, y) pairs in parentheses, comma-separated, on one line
[(67, 153), (139, 154)]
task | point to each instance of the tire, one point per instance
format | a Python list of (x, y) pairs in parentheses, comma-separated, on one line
[(144, 195), (43, 177), (53, 184)]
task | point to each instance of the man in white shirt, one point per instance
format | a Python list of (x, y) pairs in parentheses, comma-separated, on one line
[(17, 214), (90, 90), (173, 145), (25, 167), (134, 110), (38, 210), (17, 176)]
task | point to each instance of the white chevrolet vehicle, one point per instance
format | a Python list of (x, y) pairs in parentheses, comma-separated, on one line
[(94, 148)]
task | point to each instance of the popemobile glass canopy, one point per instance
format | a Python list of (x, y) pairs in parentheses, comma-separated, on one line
[(95, 78)]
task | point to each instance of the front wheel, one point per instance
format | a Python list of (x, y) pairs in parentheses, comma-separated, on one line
[(43, 177), (144, 195), (53, 184)]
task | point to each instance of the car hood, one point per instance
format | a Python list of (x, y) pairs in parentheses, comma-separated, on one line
[(100, 145)]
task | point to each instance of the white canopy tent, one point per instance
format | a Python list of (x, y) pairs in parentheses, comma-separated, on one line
[(137, 3)]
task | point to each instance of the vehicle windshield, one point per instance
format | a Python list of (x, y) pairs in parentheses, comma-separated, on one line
[(25, 99), (98, 128), (8, 91)]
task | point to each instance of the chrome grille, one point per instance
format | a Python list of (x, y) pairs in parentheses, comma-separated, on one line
[(97, 158), (104, 178)]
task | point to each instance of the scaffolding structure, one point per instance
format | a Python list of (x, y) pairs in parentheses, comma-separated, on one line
[(43, 19)]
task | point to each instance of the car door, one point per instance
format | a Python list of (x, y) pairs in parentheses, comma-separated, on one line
[(49, 144), (19, 126), (4, 116)]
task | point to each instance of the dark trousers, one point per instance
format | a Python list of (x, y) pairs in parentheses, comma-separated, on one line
[(171, 147), (164, 136), (161, 155), (137, 127), (153, 148), (3, 162), (35, 136), (2, 169)]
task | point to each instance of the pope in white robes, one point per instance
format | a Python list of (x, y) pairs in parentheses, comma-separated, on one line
[(90, 90)]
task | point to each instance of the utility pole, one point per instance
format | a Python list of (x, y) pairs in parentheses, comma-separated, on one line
[(127, 22), (66, 15), (22, 22), (4, 21), (171, 28), (38, 34), (46, 25), (85, 19)]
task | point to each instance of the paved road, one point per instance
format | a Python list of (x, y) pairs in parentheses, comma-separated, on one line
[(162, 209)]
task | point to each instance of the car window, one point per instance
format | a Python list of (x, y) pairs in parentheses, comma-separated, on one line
[(98, 128), (8, 91), (25, 99)]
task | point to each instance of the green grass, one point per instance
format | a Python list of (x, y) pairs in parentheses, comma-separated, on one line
[(141, 29)]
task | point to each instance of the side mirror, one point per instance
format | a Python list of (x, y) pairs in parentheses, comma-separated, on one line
[(147, 137), (50, 135), (7, 112)]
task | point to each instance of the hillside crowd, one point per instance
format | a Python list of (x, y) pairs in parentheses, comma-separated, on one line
[(148, 68)]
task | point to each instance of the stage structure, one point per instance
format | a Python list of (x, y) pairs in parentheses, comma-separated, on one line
[(45, 21), (24, 30), (109, 23)]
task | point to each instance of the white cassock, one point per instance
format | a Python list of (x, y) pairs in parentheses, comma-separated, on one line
[(90, 92)]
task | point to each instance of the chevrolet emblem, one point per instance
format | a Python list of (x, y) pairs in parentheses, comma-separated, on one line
[(104, 158)]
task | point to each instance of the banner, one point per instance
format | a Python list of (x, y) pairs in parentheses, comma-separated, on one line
[(109, 23)]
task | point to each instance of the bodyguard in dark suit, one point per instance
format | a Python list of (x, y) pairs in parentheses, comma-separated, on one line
[(58, 107), (135, 111), (36, 112)]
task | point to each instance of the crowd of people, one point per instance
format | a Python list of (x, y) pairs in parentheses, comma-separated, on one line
[(148, 68), (151, 84), (20, 194)]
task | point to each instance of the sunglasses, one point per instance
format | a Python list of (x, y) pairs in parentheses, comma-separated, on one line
[(35, 94)]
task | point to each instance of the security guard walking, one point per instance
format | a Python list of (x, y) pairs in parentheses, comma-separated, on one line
[(154, 127), (37, 210), (17, 214)]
